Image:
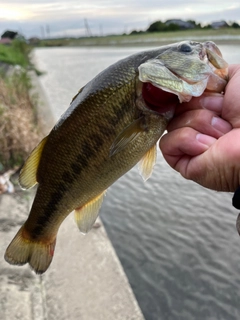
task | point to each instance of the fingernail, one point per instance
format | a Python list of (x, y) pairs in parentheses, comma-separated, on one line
[(221, 125), (213, 102), (205, 139)]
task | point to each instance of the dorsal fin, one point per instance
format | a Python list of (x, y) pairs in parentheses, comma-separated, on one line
[(28, 173), (87, 215), (147, 163)]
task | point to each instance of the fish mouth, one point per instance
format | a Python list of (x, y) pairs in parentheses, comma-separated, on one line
[(176, 76), (215, 58), (218, 79), (158, 100)]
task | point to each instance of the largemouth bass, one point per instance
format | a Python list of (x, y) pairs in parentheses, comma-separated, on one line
[(113, 123)]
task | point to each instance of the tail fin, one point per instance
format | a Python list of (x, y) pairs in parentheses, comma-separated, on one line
[(23, 250)]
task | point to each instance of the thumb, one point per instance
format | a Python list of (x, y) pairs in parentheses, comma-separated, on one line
[(231, 101)]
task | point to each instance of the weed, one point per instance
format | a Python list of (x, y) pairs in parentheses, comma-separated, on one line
[(18, 127)]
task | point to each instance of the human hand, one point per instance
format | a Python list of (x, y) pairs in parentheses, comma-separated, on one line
[(203, 139)]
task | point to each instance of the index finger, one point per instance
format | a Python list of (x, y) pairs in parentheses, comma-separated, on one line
[(208, 100), (231, 104)]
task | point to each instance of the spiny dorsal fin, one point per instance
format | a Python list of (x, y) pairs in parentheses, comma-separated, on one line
[(147, 163), (28, 173), (77, 94), (87, 215), (128, 135)]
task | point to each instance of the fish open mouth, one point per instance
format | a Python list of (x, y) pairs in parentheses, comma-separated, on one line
[(159, 100), (177, 76)]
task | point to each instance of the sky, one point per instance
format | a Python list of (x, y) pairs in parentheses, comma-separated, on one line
[(54, 18)]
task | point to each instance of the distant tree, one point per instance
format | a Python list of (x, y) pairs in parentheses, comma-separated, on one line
[(208, 26), (193, 22), (9, 34), (136, 32), (235, 25), (172, 27), (196, 25), (156, 26), (160, 26)]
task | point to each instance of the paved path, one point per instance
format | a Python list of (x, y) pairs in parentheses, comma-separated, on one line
[(85, 280)]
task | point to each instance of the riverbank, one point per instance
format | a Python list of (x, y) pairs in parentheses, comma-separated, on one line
[(18, 126), (85, 280), (221, 36)]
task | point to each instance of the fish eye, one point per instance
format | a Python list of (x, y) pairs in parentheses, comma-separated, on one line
[(184, 47)]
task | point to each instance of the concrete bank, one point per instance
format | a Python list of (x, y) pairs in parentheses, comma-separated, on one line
[(85, 280)]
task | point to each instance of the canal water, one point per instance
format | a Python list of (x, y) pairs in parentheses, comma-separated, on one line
[(176, 240)]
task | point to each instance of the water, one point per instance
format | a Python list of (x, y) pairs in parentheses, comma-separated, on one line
[(176, 240)]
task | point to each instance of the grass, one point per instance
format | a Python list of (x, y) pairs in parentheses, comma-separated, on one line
[(18, 125), (15, 54)]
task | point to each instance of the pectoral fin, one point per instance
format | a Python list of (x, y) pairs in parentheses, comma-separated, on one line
[(147, 163), (87, 215), (128, 135), (28, 174)]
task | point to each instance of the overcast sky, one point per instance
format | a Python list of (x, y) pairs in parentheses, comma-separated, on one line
[(56, 18)]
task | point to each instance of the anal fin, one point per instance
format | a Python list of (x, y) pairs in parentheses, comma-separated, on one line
[(147, 163), (28, 173), (87, 215)]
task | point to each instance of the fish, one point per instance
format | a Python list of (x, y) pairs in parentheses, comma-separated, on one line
[(113, 123)]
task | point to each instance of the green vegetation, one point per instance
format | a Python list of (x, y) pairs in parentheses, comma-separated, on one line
[(18, 126), (235, 25), (178, 24), (170, 25), (225, 35), (157, 33), (160, 26), (15, 54)]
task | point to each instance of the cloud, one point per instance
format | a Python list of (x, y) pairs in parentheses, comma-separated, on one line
[(67, 17)]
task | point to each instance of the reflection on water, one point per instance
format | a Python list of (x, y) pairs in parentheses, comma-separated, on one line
[(176, 240)]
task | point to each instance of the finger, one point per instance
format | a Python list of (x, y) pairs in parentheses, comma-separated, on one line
[(180, 145), (208, 100), (233, 69), (231, 103), (203, 121)]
